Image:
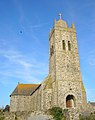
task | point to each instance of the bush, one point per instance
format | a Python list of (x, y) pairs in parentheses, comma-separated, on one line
[(2, 116), (57, 113)]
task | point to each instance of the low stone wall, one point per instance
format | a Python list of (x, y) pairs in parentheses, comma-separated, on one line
[(71, 114), (24, 116), (89, 109), (13, 116)]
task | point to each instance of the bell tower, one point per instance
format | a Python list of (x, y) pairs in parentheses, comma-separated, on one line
[(64, 67)]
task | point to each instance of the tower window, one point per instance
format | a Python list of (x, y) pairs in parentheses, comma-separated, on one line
[(51, 50), (63, 44), (69, 46)]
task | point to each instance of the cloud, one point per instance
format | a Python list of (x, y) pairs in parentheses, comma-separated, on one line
[(35, 32), (20, 66), (90, 94), (91, 58), (17, 58), (39, 25)]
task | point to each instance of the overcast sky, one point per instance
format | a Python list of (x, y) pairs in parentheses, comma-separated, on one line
[(24, 33)]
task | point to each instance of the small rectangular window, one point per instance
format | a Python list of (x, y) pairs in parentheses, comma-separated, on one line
[(52, 50), (63, 44), (69, 46)]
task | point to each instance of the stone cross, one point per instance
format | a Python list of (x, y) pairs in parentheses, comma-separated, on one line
[(60, 15)]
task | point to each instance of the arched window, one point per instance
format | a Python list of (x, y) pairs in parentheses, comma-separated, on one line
[(70, 101), (63, 44), (69, 46)]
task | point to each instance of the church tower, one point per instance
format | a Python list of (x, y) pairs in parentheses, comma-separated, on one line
[(64, 67), (63, 86)]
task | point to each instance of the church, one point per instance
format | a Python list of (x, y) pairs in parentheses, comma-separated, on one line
[(63, 87)]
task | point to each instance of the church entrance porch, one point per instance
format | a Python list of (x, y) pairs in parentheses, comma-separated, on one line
[(70, 101)]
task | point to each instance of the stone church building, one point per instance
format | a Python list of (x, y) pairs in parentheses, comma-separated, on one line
[(63, 87)]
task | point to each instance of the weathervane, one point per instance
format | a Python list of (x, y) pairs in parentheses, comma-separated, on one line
[(60, 15)]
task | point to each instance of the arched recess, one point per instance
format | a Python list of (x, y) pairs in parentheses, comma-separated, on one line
[(70, 101)]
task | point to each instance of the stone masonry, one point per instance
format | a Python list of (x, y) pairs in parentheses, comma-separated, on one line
[(63, 86), (65, 66)]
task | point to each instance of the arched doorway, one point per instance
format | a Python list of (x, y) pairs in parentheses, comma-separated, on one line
[(70, 101)]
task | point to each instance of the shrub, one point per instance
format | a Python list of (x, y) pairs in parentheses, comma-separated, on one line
[(2, 116), (57, 113)]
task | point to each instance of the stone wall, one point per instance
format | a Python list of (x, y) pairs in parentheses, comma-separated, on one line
[(88, 109), (41, 99), (64, 65), (14, 116), (36, 100), (36, 115), (20, 103), (73, 114), (64, 77)]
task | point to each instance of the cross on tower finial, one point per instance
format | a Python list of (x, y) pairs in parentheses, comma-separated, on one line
[(60, 15)]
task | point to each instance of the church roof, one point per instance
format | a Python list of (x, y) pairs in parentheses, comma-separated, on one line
[(92, 103), (25, 89)]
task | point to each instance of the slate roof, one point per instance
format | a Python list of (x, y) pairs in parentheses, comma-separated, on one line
[(92, 103), (25, 89)]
